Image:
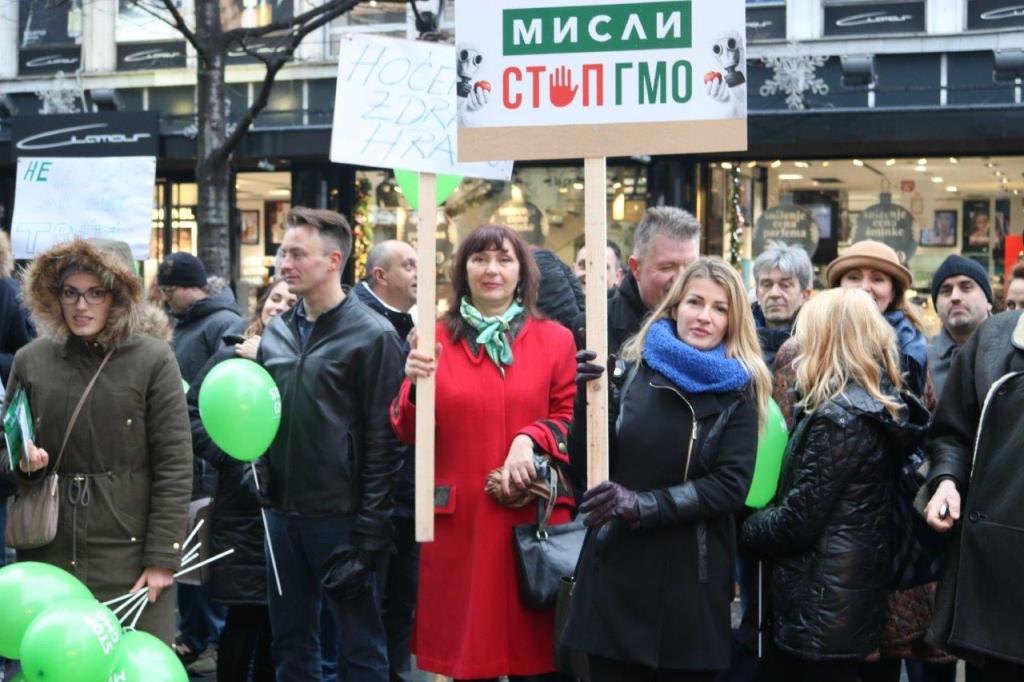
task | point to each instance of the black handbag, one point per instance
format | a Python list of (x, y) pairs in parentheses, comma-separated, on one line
[(545, 554), (568, 661)]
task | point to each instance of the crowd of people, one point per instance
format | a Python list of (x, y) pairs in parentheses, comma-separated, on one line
[(892, 541)]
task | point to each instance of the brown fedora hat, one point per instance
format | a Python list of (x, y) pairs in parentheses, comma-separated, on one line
[(869, 254)]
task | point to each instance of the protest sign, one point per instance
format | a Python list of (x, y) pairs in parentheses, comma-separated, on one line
[(396, 108), (591, 78), (60, 198)]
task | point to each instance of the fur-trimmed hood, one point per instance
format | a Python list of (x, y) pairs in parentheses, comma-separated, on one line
[(155, 323), (42, 278)]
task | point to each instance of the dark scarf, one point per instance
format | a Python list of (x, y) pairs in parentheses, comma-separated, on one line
[(692, 370)]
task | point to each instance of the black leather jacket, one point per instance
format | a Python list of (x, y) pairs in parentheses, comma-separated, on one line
[(335, 452), (827, 532)]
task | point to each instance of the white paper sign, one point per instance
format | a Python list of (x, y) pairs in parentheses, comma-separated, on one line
[(573, 62), (57, 199), (396, 108)]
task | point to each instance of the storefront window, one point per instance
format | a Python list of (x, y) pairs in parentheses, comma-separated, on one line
[(545, 205), (925, 208)]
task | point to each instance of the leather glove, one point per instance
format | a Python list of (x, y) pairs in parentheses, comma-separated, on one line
[(348, 574), (585, 369), (249, 484), (607, 501)]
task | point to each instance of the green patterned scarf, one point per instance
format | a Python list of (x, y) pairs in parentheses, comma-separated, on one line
[(494, 331)]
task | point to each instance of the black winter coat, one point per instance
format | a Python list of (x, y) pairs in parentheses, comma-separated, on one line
[(198, 332), (235, 521), (659, 595), (626, 312), (559, 297), (827, 532), (335, 452), (977, 440)]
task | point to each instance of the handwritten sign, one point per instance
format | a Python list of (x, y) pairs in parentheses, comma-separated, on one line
[(58, 199), (396, 108), (571, 78)]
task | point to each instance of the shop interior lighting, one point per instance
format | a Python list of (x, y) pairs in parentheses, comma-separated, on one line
[(563, 190), (825, 164), (858, 163), (726, 165), (1016, 192), (953, 160), (951, 188), (921, 169), (936, 179), (280, 192), (776, 163), (616, 185), (790, 176), (801, 164), (751, 164), (577, 185), (922, 162), (890, 162)]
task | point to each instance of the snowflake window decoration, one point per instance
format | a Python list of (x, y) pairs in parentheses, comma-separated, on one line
[(794, 75), (61, 97)]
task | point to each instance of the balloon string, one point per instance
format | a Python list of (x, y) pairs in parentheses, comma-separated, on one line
[(266, 531), (203, 563), (184, 546), (143, 603), (130, 605)]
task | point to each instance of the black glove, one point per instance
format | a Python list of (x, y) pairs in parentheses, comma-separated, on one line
[(249, 484), (585, 369), (348, 574), (608, 501)]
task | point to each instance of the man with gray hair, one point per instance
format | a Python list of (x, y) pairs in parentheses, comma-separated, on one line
[(783, 277), (666, 241)]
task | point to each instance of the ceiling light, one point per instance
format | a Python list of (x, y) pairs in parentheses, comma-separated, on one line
[(1004, 181), (790, 176), (726, 165), (921, 169), (951, 188), (922, 162), (954, 160), (563, 190), (998, 173), (616, 185), (801, 164), (1016, 192), (858, 163), (577, 185), (936, 179), (825, 164), (890, 162), (776, 163), (751, 164), (280, 192)]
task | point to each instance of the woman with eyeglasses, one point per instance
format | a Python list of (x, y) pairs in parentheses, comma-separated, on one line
[(125, 473)]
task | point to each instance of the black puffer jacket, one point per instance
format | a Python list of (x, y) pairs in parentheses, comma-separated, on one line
[(335, 452), (198, 332), (560, 296), (828, 530), (626, 312), (240, 577)]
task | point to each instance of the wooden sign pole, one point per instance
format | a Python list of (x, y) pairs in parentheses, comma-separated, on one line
[(596, 225), (426, 285)]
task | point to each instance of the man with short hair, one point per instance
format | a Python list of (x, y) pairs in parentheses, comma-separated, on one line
[(666, 241), (390, 290), (329, 475), (962, 295), (613, 262), (783, 276)]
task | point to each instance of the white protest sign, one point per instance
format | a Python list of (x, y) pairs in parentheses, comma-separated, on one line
[(59, 198), (590, 78), (396, 108)]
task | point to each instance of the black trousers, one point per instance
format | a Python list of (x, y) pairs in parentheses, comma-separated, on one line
[(793, 669), (996, 670), (608, 670), (245, 645), (399, 603)]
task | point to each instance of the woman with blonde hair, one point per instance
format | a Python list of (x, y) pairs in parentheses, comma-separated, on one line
[(654, 582), (827, 533)]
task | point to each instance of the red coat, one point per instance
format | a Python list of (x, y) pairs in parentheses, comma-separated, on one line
[(470, 622)]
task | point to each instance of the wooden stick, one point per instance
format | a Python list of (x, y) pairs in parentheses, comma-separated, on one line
[(596, 222), (426, 282)]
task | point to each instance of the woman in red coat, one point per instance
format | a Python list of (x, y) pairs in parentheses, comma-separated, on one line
[(504, 389)]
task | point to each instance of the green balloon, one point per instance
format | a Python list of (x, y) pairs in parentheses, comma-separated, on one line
[(409, 182), (20, 677), (28, 588), (240, 407), (142, 657), (74, 641), (771, 446)]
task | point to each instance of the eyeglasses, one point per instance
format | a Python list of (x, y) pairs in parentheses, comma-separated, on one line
[(167, 290), (93, 296)]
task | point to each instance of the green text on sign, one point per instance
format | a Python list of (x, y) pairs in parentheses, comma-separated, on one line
[(604, 28)]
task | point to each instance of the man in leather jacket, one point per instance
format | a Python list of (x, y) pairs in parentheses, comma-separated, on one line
[(329, 475)]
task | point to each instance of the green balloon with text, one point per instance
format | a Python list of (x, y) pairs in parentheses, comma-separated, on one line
[(142, 657), (240, 407), (73, 641), (409, 182), (28, 588)]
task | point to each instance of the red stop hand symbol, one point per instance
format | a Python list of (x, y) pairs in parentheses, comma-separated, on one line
[(562, 90)]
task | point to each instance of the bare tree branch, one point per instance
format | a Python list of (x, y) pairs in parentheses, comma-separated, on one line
[(330, 9), (153, 13), (179, 23)]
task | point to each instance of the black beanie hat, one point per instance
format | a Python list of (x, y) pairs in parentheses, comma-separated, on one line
[(958, 265), (181, 270)]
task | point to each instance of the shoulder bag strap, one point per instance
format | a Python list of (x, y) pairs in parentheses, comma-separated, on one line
[(78, 408)]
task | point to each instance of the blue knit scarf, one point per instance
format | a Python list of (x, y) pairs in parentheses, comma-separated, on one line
[(692, 370)]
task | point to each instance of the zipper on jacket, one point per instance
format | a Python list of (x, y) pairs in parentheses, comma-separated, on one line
[(693, 431)]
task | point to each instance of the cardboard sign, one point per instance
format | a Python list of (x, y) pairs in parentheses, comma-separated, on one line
[(600, 78), (57, 199), (395, 108)]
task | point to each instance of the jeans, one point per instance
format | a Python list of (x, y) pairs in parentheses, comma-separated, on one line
[(199, 620), (302, 545), (400, 598)]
